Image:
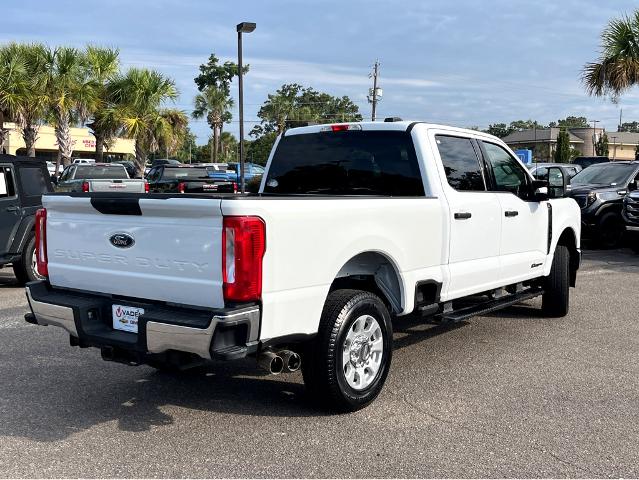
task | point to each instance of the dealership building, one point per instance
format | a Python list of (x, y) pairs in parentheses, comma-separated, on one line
[(46, 145)]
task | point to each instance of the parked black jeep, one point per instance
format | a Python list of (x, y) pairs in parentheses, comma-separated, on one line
[(23, 180)]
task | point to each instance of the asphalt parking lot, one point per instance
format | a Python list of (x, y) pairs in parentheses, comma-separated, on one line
[(506, 395)]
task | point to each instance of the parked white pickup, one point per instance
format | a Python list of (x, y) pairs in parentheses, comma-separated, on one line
[(355, 225)]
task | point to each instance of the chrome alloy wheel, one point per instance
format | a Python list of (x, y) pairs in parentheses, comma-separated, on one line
[(362, 352)]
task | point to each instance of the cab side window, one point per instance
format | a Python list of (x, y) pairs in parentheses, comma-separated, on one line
[(508, 174), (461, 163), (7, 187)]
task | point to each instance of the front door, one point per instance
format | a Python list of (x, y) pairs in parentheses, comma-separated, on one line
[(475, 222), (9, 208), (524, 230)]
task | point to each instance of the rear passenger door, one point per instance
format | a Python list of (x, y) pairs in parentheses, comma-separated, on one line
[(9, 207), (475, 221), (524, 230)]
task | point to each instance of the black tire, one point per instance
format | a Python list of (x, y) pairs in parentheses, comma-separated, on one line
[(611, 231), (556, 297), (24, 269), (322, 364)]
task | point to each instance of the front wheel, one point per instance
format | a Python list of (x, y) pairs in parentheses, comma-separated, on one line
[(26, 269), (346, 365), (611, 230), (556, 298)]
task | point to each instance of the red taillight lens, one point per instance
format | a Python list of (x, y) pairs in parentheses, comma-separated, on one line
[(234, 187), (243, 246), (41, 242), (181, 187), (85, 187), (339, 128), (146, 187)]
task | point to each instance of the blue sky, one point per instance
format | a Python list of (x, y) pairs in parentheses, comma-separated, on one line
[(456, 62)]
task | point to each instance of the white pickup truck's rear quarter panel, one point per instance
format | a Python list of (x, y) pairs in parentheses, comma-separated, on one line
[(308, 240), (176, 256)]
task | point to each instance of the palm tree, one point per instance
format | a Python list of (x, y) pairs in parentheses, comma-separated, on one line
[(70, 93), (214, 104), (102, 67), (13, 79), (30, 97), (617, 68), (173, 131), (137, 99)]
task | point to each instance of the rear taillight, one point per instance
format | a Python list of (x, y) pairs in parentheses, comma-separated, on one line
[(234, 187), (85, 187), (243, 246), (181, 187), (146, 187), (41, 242)]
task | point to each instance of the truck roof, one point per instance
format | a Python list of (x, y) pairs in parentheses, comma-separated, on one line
[(401, 125), (14, 159)]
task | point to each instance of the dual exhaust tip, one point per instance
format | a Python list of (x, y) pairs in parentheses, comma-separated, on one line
[(278, 362)]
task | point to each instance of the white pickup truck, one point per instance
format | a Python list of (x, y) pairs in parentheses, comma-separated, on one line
[(354, 226)]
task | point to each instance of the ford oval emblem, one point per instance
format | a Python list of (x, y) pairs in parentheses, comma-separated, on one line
[(122, 240)]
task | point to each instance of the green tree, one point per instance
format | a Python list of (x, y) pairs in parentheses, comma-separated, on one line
[(294, 105), (562, 152), (13, 84), (102, 68), (258, 150), (629, 127), (520, 125), (601, 146), (499, 130), (70, 93), (571, 122), (138, 98), (220, 76), (617, 68), (187, 150), (228, 147), (214, 104)]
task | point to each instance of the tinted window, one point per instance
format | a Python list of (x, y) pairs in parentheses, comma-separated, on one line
[(192, 173), (7, 188), (460, 163), (32, 181), (99, 172), (508, 174), (604, 174), (346, 163)]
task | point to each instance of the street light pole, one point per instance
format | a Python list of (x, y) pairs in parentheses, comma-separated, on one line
[(244, 27), (594, 137)]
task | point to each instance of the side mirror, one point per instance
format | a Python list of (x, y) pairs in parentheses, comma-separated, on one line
[(540, 190), (557, 183), (632, 186)]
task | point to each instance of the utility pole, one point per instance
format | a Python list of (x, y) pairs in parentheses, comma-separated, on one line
[(375, 92), (594, 137), (620, 113)]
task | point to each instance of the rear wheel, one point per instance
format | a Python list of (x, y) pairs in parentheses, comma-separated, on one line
[(556, 297), (611, 230), (345, 367), (25, 269)]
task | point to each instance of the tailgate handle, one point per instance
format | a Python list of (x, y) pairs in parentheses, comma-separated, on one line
[(117, 206), (462, 215), (511, 213)]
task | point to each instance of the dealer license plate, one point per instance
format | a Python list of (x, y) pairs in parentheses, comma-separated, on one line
[(126, 318)]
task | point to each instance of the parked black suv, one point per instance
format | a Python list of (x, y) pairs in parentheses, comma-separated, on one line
[(599, 190), (23, 180), (630, 215)]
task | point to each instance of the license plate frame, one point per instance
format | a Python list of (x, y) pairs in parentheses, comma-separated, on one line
[(125, 317)]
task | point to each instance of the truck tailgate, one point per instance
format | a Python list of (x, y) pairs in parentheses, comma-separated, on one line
[(117, 186), (171, 249)]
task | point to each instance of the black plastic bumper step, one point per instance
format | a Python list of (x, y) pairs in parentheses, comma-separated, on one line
[(489, 306)]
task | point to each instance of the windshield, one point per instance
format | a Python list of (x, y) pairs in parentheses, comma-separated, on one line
[(189, 173), (107, 172), (604, 174), (345, 163)]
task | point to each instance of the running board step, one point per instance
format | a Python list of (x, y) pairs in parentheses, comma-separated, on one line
[(490, 306)]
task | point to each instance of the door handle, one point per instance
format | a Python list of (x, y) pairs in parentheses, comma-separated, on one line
[(462, 215), (511, 213), (13, 209)]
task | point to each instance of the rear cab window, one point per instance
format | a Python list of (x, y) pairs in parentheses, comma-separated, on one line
[(348, 163), (461, 163), (7, 187), (90, 172), (188, 173)]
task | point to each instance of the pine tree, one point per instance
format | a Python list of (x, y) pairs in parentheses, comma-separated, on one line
[(562, 152)]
